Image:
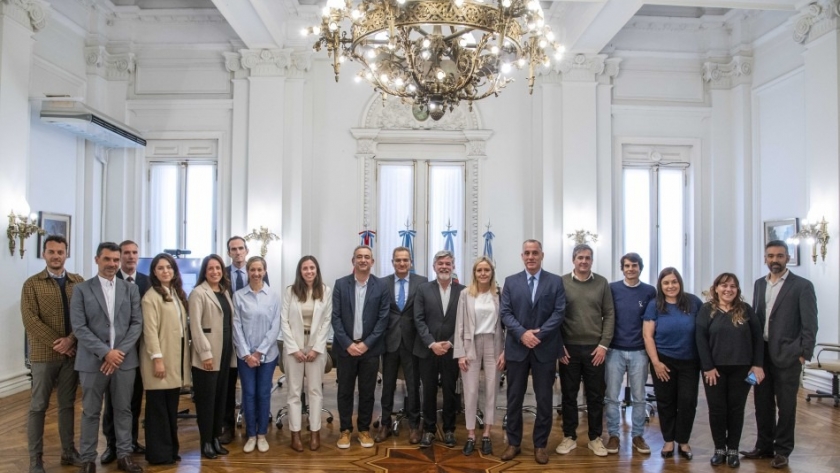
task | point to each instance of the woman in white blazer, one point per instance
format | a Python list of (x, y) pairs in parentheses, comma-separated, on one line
[(479, 340), (307, 309)]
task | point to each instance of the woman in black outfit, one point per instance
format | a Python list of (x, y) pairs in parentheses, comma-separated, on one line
[(211, 321), (730, 345)]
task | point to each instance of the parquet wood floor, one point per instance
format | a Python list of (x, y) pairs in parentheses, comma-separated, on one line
[(817, 439)]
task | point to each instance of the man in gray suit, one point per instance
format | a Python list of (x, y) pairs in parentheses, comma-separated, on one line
[(399, 343), (786, 306), (106, 319)]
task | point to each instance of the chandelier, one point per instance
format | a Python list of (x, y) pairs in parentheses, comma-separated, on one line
[(435, 53)]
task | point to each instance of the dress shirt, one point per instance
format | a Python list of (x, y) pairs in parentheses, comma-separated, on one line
[(486, 317), (133, 276), (770, 294), (58, 276), (358, 322), (256, 322), (397, 285), (625, 282), (110, 295), (591, 275), (445, 292), (536, 282)]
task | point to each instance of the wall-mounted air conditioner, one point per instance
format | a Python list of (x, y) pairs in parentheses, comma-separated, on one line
[(79, 119)]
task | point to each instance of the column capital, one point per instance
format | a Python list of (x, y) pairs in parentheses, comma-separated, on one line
[(107, 65), (730, 74), (815, 19), (30, 13), (589, 68)]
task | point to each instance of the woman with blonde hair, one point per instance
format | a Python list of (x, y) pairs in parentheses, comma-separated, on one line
[(479, 340)]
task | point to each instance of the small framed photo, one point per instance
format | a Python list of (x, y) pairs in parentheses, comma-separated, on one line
[(782, 230), (54, 224)]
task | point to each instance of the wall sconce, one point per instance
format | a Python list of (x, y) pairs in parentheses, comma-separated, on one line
[(21, 227), (815, 234), (265, 236), (581, 237)]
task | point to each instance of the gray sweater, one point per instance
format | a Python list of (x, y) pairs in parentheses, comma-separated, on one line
[(590, 316)]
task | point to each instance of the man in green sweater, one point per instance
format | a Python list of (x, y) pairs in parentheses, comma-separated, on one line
[(587, 331)]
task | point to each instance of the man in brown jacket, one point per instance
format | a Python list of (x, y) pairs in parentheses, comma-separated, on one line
[(45, 309)]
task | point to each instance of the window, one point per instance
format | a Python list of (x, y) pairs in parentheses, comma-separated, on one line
[(430, 197), (182, 206)]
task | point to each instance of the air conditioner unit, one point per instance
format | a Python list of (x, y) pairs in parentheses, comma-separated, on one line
[(79, 119)]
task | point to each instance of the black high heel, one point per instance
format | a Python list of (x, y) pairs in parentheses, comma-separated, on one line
[(217, 446), (687, 455), (208, 451)]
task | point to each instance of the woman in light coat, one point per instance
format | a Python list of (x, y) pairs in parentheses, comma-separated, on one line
[(164, 358), (307, 305), (211, 325), (479, 340)]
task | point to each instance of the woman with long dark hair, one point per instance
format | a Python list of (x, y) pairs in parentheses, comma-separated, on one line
[(730, 343), (307, 305), (668, 330), (164, 358), (211, 325)]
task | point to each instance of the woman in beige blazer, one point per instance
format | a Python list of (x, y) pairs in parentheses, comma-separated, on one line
[(211, 325), (305, 326), (479, 340), (164, 358)]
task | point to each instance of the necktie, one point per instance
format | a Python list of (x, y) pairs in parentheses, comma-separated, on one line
[(531, 281), (130, 279), (239, 282), (401, 295)]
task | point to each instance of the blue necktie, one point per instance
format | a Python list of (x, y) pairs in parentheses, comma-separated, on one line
[(531, 281), (401, 295), (239, 283)]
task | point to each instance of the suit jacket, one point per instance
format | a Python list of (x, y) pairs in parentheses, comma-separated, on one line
[(465, 329), (434, 324), (142, 282), (291, 323), (546, 313), (401, 326), (89, 317), (207, 329), (229, 271), (793, 319), (165, 331), (374, 315)]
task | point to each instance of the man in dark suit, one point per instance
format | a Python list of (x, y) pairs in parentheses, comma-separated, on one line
[(434, 317), (129, 255), (532, 310), (786, 305), (360, 316), (106, 319), (399, 346)]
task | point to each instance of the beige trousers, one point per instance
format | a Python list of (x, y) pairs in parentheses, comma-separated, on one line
[(484, 356), (312, 373)]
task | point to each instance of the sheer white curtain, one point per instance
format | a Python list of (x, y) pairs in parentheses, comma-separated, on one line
[(672, 219), (446, 207), (164, 201), (637, 217), (200, 209), (396, 204)]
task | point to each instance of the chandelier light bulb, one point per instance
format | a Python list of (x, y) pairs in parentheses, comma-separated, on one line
[(325, 11), (533, 5), (355, 14), (399, 82), (357, 79), (333, 26), (316, 30), (440, 74), (462, 42), (368, 76), (426, 54), (521, 62), (371, 53), (401, 2), (531, 26), (426, 43), (546, 62), (506, 3), (383, 78), (543, 43), (540, 23), (432, 106), (411, 87), (341, 59), (459, 3), (304, 32), (550, 36), (494, 50), (372, 66), (506, 68)]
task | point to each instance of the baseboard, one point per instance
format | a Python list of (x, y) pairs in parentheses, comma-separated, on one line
[(15, 385)]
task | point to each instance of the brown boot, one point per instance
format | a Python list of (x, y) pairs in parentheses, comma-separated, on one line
[(315, 440), (297, 445)]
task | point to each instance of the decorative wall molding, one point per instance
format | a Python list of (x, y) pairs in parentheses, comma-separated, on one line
[(675, 25), (171, 15), (30, 13), (391, 114), (815, 20), (727, 75), (267, 62), (583, 68), (109, 66)]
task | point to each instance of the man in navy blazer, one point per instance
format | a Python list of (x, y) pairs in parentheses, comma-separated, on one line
[(361, 302), (532, 310)]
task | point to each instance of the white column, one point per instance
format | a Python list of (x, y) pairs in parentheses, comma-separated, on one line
[(548, 186)]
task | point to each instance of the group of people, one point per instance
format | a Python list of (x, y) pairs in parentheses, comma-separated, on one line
[(122, 333)]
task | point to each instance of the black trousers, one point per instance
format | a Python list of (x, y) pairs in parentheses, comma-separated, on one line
[(391, 363), (349, 370), (580, 367), (162, 425), (136, 404), (778, 390), (210, 394), (446, 368), (229, 421), (726, 400), (543, 374), (676, 399)]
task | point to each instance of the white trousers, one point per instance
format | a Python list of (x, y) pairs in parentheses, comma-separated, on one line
[(484, 356), (313, 373)]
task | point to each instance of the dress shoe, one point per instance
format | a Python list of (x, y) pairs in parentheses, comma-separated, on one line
[(296, 444), (127, 464), (757, 454), (207, 451), (36, 464), (449, 439), (427, 440), (510, 452), (486, 446), (88, 467), (177, 458), (667, 453), (226, 437), (779, 461), (469, 447), (217, 446), (732, 459), (383, 433), (109, 455), (541, 456), (137, 448), (685, 453), (414, 435), (70, 456), (719, 457), (315, 440)]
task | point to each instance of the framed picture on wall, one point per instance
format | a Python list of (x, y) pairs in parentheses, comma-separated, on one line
[(782, 230), (54, 224)]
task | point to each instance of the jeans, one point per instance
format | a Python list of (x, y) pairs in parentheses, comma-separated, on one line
[(635, 364), (256, 395)]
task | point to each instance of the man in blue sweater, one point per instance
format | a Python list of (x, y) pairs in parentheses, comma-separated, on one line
[(627, 352)]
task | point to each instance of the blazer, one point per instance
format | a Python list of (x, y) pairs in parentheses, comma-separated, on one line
[(401, 328), (89, 317), (793, 319), (432, 322), (141, 280), (374, 315), (42, 311), (465, 328), (545, 313), (291, 324), (165, 331), (206, 319), (229, 270)]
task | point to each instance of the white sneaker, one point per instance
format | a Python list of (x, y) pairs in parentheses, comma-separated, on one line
[(262, 444), (597, 447), (249, 445), (567, 445)]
